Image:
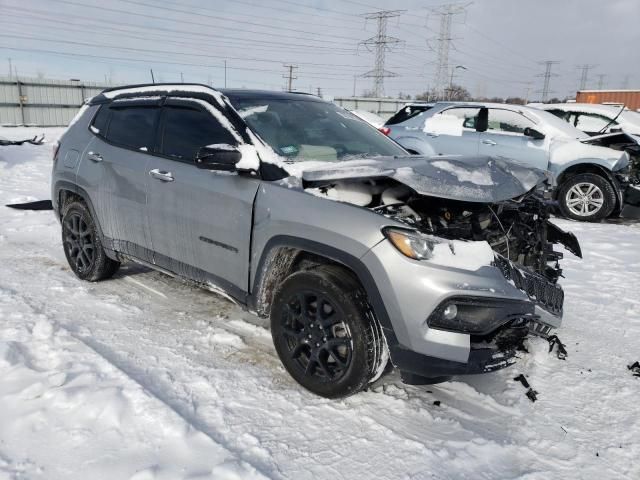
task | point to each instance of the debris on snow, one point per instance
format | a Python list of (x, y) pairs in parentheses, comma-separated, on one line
[(561, 350), (531, 393), (37, 205), (523, 380), (33, 141), (635, 368)]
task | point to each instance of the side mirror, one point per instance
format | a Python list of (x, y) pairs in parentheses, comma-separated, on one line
[(533, 133), (220, 157)]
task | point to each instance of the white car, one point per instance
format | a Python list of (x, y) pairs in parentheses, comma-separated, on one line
[(369, 117), (596, 119)]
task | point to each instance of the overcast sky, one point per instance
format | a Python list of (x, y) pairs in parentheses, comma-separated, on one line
[(499, 42)]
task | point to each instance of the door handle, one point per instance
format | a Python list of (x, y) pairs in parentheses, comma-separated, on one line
[(432, 135), (486, 141), (161, 175), (94, 157)]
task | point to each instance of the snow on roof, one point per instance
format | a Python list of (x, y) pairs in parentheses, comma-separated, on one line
[(169, 89)]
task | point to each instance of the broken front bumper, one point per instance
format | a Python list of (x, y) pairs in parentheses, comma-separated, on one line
[(631, 202), (412, 291)]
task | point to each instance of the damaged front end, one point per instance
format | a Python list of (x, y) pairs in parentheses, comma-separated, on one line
[(456, 200)]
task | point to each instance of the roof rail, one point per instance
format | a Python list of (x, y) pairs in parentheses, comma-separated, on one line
[(166, 84)]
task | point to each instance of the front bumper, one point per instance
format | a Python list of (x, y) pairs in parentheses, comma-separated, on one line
[(631, 202), (412, 290)]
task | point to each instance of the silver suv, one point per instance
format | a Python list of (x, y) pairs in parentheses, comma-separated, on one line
[(363, 256)]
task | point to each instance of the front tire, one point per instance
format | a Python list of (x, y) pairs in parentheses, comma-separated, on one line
[(82, 245), (325, 333), (587, 197)]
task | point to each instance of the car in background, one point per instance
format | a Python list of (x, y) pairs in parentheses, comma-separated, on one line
[(590, 180), (614, 126), (369, 117), (596, 119)]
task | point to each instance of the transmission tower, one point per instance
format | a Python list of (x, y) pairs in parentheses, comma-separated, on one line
[(289, 76), (444, 41), (584, 75), (625, 82), (547, 78), (601, 78), (380, 43)]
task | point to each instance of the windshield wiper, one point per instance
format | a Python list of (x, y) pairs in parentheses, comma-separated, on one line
[(604, 129)]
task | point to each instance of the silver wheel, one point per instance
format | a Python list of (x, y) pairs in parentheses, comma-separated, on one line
[(584, 199)]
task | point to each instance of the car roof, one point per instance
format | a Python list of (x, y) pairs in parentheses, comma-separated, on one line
[(196, 88), (581, 107), (270, 94)]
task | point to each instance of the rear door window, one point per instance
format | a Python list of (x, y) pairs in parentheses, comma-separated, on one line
[(186, 130), (133, 127)]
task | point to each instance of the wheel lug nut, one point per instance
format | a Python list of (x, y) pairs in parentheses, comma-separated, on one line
[(310, 335), (317, 344), (324, 339)]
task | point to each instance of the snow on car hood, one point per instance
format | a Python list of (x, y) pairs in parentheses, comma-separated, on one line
[(469, 179)]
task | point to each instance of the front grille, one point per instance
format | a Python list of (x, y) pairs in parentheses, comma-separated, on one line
[(539, 290)]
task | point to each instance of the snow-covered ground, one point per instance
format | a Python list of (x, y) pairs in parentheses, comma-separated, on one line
[(143, 377)]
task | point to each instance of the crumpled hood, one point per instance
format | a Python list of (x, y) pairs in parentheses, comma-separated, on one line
[(469, 179)]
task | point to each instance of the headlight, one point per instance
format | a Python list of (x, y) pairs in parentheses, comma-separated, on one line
[(479, 315), (410, 243)]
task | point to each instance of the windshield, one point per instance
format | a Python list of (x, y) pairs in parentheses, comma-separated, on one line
[(630, 117), (309, 129)]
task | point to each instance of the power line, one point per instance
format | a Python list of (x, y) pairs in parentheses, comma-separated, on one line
[(381, 42), (547, 78)]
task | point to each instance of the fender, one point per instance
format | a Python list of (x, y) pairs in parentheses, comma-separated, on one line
[(82, 193), (602, 169), (337, 255)]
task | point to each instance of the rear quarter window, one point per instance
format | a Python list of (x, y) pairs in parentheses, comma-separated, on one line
[(407, 113), (100, 121)]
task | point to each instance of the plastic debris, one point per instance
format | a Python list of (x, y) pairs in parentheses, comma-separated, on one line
[(561, 351), (33, 141), (37, 205), (531, 393), (635, 368)]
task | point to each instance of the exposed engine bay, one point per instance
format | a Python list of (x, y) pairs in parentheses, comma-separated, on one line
[(518, 229), (622, 142)]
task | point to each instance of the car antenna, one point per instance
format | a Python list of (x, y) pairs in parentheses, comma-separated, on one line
[(604, 129)]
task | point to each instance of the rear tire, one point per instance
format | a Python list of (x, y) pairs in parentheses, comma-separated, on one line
[(82, 245), (587, 197), (325, 333)]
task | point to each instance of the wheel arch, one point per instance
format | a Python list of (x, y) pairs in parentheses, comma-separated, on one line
[(63, 192), (283, 255), (594, 168)]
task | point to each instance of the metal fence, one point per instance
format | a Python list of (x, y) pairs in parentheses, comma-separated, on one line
[(50, 103), (42, 102)]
